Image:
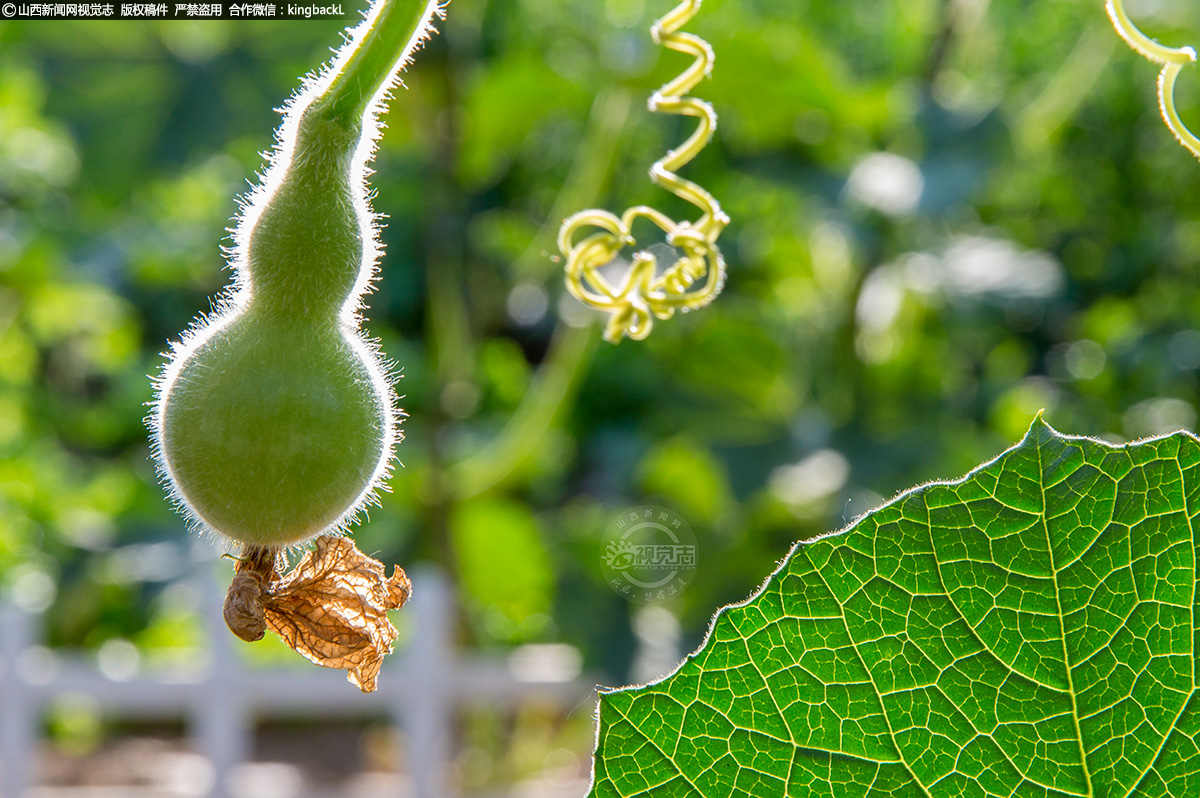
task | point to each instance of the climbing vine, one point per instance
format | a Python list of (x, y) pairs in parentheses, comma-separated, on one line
[(644, 294), (1173, 60)]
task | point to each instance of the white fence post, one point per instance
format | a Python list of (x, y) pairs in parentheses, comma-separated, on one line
[(423, 685), (221, 724), (427, 720), (18, 718)]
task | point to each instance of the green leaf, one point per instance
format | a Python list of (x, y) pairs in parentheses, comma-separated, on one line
[(503, 566), (1028, 630), (689, 476)]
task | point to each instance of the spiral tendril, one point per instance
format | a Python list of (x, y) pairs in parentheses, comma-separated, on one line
[(645, 294), (1172, 60)]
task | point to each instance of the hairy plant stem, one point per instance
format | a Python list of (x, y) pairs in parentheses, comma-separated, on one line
[(375, 60)]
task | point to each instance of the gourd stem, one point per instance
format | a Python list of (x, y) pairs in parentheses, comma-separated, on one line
[(380, 47)]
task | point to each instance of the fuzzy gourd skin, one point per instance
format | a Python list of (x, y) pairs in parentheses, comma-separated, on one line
[(275, 420), (276, 423)]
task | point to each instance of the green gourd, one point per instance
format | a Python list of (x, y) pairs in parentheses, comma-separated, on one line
[(275, 419)]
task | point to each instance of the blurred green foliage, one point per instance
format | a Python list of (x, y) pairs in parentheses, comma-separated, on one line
[(947, 214)]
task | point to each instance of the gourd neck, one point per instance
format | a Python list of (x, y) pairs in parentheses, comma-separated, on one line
[(306, 249), (310, 250)]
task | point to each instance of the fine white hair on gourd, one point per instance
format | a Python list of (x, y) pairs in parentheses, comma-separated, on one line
[(234, 301)]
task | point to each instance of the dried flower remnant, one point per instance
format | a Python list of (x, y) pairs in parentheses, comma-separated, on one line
[(332, 607)]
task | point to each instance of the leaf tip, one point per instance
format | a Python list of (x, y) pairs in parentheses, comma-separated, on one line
[(1040, 429)]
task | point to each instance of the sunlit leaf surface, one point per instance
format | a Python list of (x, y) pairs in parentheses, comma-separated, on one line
[(1028, 630)]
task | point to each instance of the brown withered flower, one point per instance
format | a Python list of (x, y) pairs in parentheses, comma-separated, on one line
[(332, 607)]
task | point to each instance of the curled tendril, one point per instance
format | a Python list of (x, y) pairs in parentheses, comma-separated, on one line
[(1172, 60), (698, 275)]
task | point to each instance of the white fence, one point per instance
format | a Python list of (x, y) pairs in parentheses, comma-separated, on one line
[(421, 687)]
